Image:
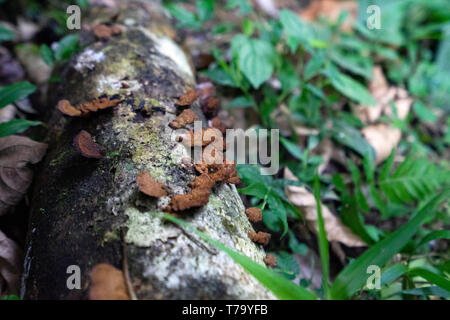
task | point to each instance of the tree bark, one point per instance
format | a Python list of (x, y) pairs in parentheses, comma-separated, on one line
[(88, 211)]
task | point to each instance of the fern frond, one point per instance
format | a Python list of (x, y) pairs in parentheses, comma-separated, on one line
[(413, 179)]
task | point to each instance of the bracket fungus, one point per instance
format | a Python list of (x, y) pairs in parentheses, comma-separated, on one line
[(150, 186), (186, 117), (188, 98), (87, 147), (107, 283), (102, 31), (85, 108)]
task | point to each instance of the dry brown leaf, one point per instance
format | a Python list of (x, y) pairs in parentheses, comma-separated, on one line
[(331, 9), (107, 283), (384, 95), (305, 201), (10, 265), (16, 153), (383, 138)]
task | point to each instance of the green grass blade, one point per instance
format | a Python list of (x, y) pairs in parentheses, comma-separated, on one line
[(392, 273), (323, 240), (354, 276), (280, 286), (431, 277)]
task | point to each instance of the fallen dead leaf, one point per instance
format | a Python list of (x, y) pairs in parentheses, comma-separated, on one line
[(384, 95), (305, 201), (10, 265), (16, 153), (331, 9), (107, 283), (383, 138)]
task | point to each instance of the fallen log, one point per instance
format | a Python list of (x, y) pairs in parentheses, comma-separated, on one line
[(86, 207)]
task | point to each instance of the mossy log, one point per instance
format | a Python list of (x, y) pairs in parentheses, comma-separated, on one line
[(88, 211)]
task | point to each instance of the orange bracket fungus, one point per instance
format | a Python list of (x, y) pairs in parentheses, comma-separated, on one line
[(85, 108), (102, 31), (107, 283), (188, 98), (186, 117), (87, 147), (150, 186)]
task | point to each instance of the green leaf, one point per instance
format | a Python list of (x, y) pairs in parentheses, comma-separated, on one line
[(257, 189), (349, 87), (351, 138), (205, 9), (241, 102), (67, 46), (256, 58), (245, 6), (220, 76), (6, 34), (14, 92), (323, 240), (287, 265), (272, 221), (16, 126), (296, 246), (277, 208), (296, 29), (424, 113), (314, 65), (433, 235), (414, 178), (293, 148), (353, 277), (46, 54), (392, 273), (280, 287), (428, 291)]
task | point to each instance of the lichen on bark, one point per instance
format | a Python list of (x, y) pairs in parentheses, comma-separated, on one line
[(92, 205)]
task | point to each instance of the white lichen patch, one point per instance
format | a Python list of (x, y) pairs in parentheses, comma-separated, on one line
[(108, 84), (87, 60), (170, 49), (144, 228)]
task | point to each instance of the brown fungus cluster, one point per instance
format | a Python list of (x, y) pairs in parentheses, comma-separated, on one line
[(186, 117), (270, 260), (260, 237), (103, 31), (83, 109), (188, 98), (202, 185), (254, 214), (210, 171)]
